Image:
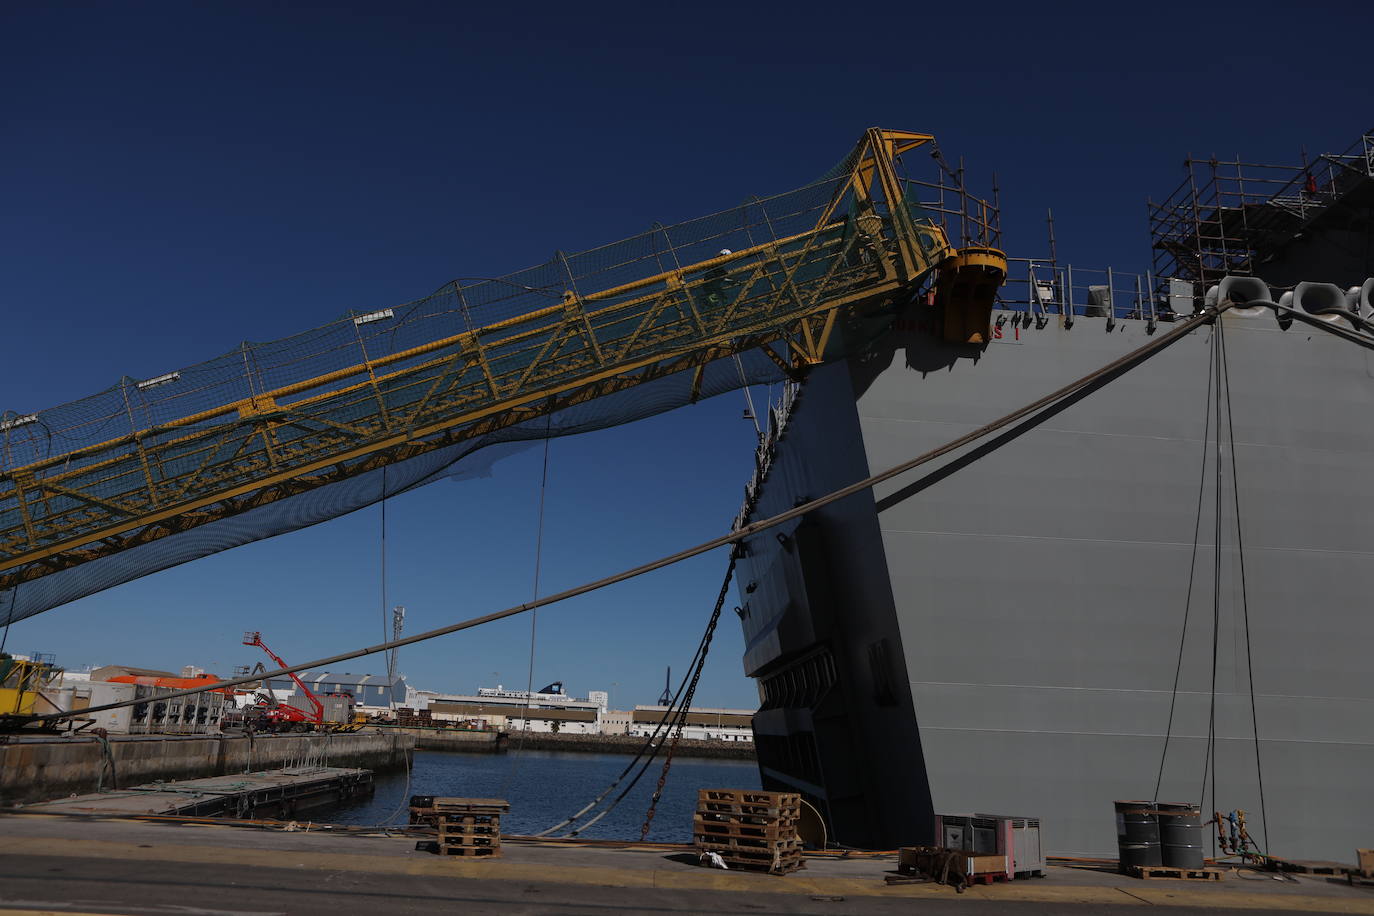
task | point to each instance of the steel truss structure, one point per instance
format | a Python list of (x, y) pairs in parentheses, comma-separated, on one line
[(1231, 216), (866, 243)]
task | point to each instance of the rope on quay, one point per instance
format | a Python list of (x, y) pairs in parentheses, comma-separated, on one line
[(1106, 373)]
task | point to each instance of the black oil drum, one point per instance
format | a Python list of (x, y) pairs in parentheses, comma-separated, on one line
[(1180, 834), (1137, 834)]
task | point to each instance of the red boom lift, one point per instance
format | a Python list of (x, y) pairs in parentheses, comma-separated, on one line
[(284, 715)]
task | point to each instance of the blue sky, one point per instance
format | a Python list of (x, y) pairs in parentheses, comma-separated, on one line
[(179, 177)]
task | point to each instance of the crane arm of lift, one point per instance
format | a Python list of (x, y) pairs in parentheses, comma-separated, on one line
[(255, 639)]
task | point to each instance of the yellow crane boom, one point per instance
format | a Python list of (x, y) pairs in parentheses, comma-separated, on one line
[(153, 460)]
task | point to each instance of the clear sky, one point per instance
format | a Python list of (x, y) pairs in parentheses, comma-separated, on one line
[(180, 177)]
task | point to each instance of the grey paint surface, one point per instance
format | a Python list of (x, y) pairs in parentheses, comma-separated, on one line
[(1039, 592)]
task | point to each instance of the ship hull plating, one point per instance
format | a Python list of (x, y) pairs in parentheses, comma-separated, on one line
[(1000, 631)]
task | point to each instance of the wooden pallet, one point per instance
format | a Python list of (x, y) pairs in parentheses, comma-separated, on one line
[(438, 848), (484, 841), (1165, 871), (748, 828), (753, 820), (492, 852), (471, 805), (745, 812), (716, 843), (748, 803), (764, 831), (750, 796), (986, 877), (469, 830), (469, 826), (1307, 868), (468, 820), (773, 863)]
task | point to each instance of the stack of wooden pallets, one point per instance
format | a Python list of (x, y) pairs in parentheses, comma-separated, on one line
[(749, 829), (469, 826)]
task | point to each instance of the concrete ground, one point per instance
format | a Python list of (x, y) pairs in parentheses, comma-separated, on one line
[(56, 864)]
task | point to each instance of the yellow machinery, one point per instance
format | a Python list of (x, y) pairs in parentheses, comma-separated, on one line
[(20, 683), (276, 436), (966, 291)]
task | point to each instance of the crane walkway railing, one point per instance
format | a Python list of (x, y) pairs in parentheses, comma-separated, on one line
[(311, 414)]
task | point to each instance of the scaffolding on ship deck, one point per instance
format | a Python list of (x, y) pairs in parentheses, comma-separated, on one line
[(1230, 216)]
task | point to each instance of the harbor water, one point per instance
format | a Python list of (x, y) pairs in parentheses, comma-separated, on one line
[(545, 787)]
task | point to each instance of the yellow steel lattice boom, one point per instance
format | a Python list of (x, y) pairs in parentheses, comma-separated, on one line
[(382, 389)]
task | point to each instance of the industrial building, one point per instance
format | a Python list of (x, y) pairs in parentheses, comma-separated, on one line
[(616, 721), (551, 709), (368, 690), (703, 723), (545, 710), (192, 715)]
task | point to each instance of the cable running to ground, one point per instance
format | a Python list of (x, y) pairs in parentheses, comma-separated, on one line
[(1192, 570), (649, 745), (685, 709), (534, 613), (1244, 596), (677, 711), (1210, 759)]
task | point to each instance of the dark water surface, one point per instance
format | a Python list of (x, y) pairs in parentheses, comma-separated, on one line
[(544, 787)]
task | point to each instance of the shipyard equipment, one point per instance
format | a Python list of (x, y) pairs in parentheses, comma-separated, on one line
[(1015, 838), (274, 437), (21, 680), (284, 715)]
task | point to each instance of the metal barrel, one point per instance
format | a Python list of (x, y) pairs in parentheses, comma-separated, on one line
[(1180, 834), (1137, 834)]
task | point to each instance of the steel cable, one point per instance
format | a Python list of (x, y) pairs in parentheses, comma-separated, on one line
[(677, 710), (649, 745), (669, 713), (685, 709), (1244, 594), (1210, 759), (534, 614), (1192, 570)]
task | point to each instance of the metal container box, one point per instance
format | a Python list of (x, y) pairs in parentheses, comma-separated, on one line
[(1016, 838)]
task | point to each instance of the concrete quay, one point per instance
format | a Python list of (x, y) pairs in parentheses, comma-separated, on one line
[(97, 865), (41, 768), (439, 738)]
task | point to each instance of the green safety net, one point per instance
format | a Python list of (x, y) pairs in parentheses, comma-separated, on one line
[(152, 473)]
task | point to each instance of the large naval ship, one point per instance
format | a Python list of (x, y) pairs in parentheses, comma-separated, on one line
[(1156, 589)]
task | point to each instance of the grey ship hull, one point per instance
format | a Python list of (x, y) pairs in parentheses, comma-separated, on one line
[(1005, 639)]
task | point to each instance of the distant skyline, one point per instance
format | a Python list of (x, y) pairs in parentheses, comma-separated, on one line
[(181, 177)]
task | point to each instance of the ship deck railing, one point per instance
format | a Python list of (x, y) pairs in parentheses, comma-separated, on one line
[(1041, 288)]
